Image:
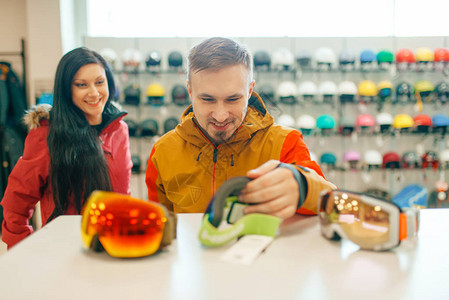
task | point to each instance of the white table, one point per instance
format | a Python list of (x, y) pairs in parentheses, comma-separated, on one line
[(299, 264)]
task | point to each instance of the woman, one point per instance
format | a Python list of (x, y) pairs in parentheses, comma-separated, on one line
[(75, 147)]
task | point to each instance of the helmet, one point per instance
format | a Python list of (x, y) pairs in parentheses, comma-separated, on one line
[(170, 123), (365, 123), (110, 56), (308, 89), (306, 123), (347, 59), (175, 59), (288, 92), (180, 95), (45, 98), (367, 90), (442, 91), (430, 159), (328, 90), (304, 58), (405, 57), (286, 120), (384, 120), (131, 59), (352, 157), (440, 123), (391, 160), (385, 57), (155, 94), (385, 89), (261, 59), (132, 94), (328, 159), (283, 59), (404, 92), (149, 127), (325, 122), (410, 160), (424, 54), (444, 158), (402, 121), (325, 56), (136, 164), (266, 91), (132, 127), (441, 54), (367, 56), (373, 159), (153, 59), (313, 156), (422, 122), (346, 125), (424, 88), (347, 91)]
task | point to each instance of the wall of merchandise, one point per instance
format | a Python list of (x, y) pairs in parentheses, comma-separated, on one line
[(366, 129)]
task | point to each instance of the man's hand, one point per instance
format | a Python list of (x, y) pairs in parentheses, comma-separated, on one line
[(275, 189)]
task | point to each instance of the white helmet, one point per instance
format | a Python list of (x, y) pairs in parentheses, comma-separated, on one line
[(347, 91), (110, 56), (313, 156), (373, 158), (444, 158), (308, 89), (287, 92), (283, 59), (286, 120), (131, 58), (384, 120), (325, 56), (306, 122), (327, 90)]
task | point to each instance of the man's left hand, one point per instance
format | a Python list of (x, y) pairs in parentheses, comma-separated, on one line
[(274, 189)]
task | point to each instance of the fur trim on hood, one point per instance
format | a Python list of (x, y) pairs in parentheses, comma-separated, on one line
[(35, 114)]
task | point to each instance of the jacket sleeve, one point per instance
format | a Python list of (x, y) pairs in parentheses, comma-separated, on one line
[(25, 187), (156, 190), (295, 152)]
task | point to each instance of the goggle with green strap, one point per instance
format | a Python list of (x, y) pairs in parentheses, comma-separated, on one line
[(224, 220)]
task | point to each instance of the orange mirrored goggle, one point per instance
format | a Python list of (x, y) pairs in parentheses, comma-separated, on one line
[(125, 226), (370, 222)]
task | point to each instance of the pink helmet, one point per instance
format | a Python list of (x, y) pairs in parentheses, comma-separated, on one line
[(351, 155), (365, 122)]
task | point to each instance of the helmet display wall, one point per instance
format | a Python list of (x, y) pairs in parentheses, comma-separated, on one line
[(370, 96)]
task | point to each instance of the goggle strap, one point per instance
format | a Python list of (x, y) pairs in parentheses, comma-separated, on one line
[(403, 231), (169, 230)]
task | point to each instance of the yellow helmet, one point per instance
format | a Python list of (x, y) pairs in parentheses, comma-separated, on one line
[(155, 90), (402, 121), (155, 94), (424, 54), (385, 88), (424, 87), (367, 88)]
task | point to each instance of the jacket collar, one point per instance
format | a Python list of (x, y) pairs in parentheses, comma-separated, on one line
[(257, 118)]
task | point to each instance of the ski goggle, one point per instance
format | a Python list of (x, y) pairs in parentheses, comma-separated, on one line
[(124, 226), (370, 222), (224, 220)]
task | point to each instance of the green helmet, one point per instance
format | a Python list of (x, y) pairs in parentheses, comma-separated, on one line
[(385, 56), (325, 122)]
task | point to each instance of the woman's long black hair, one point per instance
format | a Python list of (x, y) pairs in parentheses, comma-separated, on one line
[(77, 162)]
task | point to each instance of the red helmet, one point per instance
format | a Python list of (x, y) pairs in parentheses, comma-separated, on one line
[(422, 122), (405, 56), (430, 159), (391, 160), (365, 122), (441, 54)]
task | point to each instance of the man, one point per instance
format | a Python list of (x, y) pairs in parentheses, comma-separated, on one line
[(224, 134)]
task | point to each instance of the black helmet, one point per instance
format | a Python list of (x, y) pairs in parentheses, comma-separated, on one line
[(404, 92), (153, 59), (304, 58), (150, 127), (132, 127), (442, 91), (175, 59), (180, 95), (267, 93), (411, 160), (170, 124), (132, 94), (262, 59)]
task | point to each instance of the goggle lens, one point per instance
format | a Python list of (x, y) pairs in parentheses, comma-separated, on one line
[(365, 224), (125, 226)]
